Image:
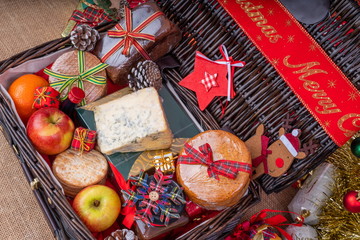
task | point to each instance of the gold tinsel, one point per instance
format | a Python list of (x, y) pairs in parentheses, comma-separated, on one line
[(335, 222)]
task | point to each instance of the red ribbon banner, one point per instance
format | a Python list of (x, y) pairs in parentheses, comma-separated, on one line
[(315, 79)]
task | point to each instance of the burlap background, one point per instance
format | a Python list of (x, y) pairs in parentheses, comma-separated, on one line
[(25, 24)]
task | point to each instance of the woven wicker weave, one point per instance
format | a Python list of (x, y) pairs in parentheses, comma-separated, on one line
[(266, 101), (61, 217), (262, 95)]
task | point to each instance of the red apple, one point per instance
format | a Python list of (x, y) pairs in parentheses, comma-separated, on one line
[(50, 130), (98, 206)]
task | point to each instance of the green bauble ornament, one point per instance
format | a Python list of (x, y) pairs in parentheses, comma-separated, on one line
[(355, 147)]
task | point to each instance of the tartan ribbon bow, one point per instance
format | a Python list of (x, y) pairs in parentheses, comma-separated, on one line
[(90, 16), (83, 141), (66, 81), (131, 35), (226, 168), (41, 95)]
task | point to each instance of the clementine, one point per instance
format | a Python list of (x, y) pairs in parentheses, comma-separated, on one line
[(22, 92)]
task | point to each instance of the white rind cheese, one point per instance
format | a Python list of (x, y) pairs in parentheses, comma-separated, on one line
[(135, 122)]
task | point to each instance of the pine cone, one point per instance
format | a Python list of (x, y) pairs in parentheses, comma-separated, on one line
[(145, 74), (123, 3), (123, 234), (84, 37)]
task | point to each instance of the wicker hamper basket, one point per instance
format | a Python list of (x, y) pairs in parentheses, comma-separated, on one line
[(61, 217), (267, 101), (192, 16)]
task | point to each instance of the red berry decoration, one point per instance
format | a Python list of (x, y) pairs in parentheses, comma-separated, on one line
[(352, 201)]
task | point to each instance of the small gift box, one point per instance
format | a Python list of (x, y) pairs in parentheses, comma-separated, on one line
[(164, 162), (89, 13), (84, 139), (144, 33), (46, 97), (90, 16)]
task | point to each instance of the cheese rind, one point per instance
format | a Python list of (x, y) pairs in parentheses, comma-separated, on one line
[(132, 123)]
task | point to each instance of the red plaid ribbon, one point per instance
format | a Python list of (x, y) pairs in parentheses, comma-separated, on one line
[(209, 81), (90, 16), (226, 168), (46, 97), (84, 139), (131, 35), (264, 153)]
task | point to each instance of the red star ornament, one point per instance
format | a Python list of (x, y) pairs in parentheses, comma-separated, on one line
[(193, 81)]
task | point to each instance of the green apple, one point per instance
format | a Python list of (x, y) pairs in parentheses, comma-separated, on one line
[(98, 206)]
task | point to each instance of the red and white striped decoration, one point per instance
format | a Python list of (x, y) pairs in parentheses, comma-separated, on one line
[(209, 81)]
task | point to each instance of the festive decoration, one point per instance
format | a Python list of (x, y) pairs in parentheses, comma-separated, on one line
[(122, 234), (146, 159), (355, 147), (193, 210), (335, 221), (122, 5), (157, 198), (90, 14), (129, 36), (352, 201), (84, 37), (145, 74), (111, 7), (314, 193), (223, 167), (90, 17), (259, 227), (277, 158), (304, 232), (134, 3), (209, 81), (285, 48), (164, 162), (219, 69), (46, 97), (84, 139), (65, 81), (214, 178), (147, 20)]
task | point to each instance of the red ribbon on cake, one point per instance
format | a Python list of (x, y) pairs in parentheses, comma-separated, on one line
[(306, 68), (130, 35), (226, 168)]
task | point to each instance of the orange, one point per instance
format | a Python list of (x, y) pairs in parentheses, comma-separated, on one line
[(22, 92)]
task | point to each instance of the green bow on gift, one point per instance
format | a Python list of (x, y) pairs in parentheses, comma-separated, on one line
[(66, 81)]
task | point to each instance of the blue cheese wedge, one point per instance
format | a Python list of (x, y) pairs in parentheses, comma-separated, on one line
[(132, 123)]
